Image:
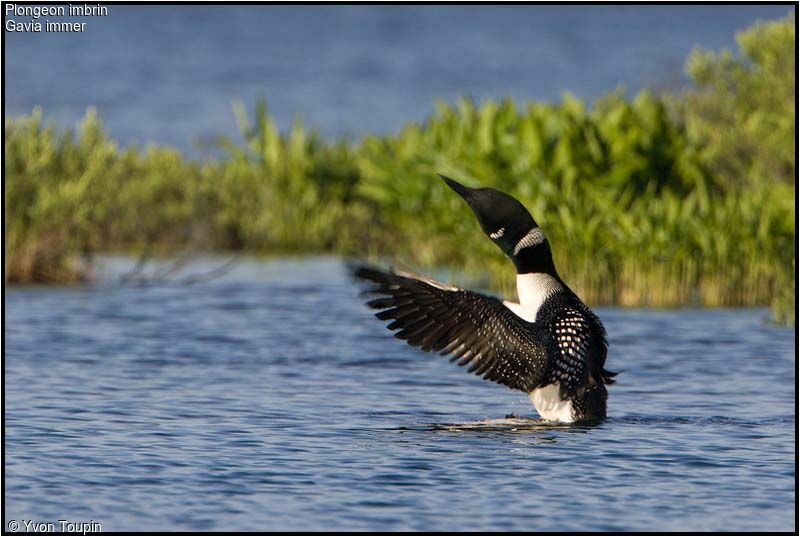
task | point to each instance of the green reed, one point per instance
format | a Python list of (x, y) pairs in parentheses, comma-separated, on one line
[(643, 199)]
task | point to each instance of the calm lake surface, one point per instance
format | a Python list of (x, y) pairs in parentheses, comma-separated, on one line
[(168, 74), (270, 399)]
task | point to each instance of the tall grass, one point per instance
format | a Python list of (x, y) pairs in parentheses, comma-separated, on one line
[(644, 206), (631, 208), (75, 191)]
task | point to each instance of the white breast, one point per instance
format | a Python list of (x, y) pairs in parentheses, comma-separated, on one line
[(533, 289), (549, 404)]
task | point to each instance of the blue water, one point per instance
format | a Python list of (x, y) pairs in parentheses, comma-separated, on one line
[(271, 399), (169, 74)]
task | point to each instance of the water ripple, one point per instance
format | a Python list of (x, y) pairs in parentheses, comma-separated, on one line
[(261, 402)]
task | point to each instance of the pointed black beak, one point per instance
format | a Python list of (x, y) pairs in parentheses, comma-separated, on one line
[(463, 191)]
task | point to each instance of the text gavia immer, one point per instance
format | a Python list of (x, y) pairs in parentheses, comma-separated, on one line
[(549, 345)]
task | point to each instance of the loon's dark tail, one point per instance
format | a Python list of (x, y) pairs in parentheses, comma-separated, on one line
[(608, 376)]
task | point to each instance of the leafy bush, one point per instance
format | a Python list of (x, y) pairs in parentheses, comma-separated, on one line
[(76, 192), (741, 114), (741, 111), (633, 213)]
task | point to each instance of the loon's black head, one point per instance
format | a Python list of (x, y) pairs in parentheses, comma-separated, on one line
[(509, 225)]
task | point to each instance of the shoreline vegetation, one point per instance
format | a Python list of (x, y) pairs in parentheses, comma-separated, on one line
[(682, 198)]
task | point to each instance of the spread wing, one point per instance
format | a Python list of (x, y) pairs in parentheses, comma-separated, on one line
[(477, 330)]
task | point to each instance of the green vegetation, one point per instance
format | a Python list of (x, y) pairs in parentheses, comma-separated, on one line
[(741, 114), (658, 200)]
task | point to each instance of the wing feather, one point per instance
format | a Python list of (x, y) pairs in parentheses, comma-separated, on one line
[(474, 329), (581, 349)]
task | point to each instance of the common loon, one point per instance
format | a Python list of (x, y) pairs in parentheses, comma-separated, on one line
[(550, 345)]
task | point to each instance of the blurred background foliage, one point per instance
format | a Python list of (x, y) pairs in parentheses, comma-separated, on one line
[(665, 199)]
